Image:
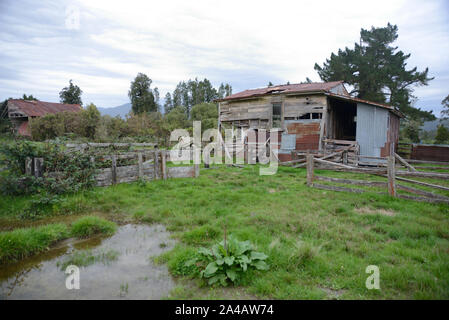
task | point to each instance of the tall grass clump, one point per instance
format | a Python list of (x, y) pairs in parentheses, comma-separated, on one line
[(90, 225), (20, 243)]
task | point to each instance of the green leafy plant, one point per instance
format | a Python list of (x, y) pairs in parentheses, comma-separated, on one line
[(228, 260), (41, 205)]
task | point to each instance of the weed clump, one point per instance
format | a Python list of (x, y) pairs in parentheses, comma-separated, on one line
[(90, 225), (228, 260), (20, 243)]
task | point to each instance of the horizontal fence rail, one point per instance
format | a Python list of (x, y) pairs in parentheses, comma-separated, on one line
[(390, 172), (151, 165)]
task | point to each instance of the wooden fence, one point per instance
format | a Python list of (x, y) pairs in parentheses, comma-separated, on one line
[(424, 152), (390, 172), (151, 165)]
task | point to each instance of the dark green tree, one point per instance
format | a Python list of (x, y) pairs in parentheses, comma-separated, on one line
[(71, 94), (192, 92), (207, 113), (30, 97), (442, 135), (445, 111), (168, 103), (91, 116), (225, 90), (410, 131), (377, 71), (143, 98), (270, 84)]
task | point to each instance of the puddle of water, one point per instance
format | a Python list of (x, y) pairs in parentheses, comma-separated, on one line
[(131, 276)]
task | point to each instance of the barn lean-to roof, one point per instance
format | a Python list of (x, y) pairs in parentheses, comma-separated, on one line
[(34, 108)]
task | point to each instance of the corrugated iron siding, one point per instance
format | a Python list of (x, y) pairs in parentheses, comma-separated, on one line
[(372, 128), (307, 133)]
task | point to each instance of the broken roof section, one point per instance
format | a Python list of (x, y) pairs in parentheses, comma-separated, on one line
[(33, 108), (285, 88), (304, 88)]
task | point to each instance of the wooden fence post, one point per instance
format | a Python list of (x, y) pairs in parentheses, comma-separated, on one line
[(38, 165), (345, 157), (309, 158), (156, 164), (28, 166), (114, 169), (391, 176), (164, 165), (140, 164), (197, 170)]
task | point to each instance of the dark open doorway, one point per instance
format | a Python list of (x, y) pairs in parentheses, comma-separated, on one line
[(342, 120)]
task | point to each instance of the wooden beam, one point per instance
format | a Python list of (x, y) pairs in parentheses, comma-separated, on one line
[(140, 164), (423, 183), (156, 164), (350, 181), (335, 188), (334, 164), (405, 163), (391, 177), (421, 192), (323, 125), (114, 170), (309, 170), (433, 175), (164, 164)]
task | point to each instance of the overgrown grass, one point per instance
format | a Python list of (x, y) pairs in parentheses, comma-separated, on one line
[(20, 243), (90, 225), (23, 242), (319, 242)]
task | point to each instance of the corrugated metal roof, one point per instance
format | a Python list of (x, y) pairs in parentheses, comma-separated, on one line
[(33, 108), (377, 104), (286, 88)]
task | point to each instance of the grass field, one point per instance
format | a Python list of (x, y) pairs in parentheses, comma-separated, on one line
[(319, 242)]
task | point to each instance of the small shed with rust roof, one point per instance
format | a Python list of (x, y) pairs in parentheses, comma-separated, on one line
[(20, 111)]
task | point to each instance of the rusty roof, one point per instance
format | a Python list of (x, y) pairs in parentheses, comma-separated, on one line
[(33, 108), (285, 88)]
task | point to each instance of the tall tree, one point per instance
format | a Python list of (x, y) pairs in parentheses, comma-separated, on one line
[(168, 103), (224, 90), (192, 92), (377, 71), (143, 98), (445, 111), (71, 94), (442, 135)]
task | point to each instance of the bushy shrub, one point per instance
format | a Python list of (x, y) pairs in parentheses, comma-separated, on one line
[(62, 172), (228, 260)]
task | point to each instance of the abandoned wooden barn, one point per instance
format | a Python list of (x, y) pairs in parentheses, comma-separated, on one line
[(20, 111), (313, 117)]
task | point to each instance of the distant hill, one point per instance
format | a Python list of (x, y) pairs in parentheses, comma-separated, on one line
[(433, 125), (121, 111)]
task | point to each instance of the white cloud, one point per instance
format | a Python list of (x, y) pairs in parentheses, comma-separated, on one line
[(245, 43)]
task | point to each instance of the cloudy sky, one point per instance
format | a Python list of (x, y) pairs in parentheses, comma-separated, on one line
[(102, 45)]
